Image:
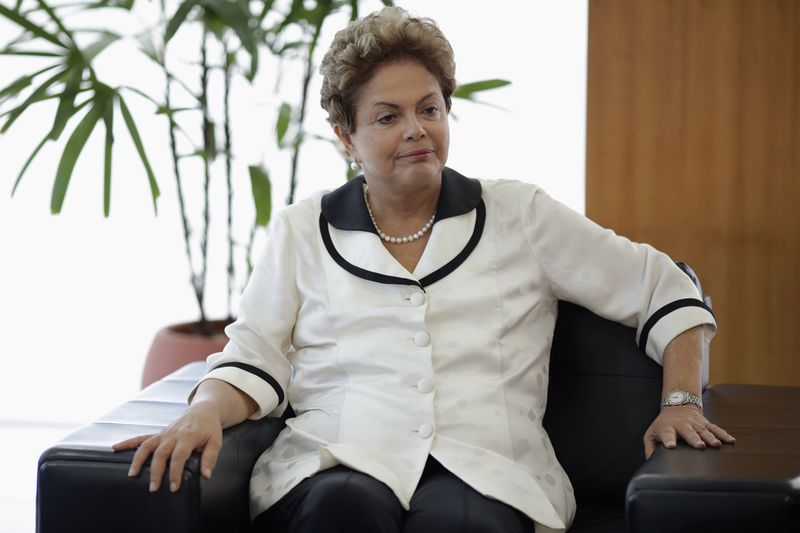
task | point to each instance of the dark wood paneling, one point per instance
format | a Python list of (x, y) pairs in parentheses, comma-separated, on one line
[(693, 145)]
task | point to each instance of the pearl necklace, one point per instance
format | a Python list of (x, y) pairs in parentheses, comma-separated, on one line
[(397, 240)]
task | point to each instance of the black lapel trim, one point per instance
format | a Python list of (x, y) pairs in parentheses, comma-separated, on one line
[(430, 279), (459, 195), (350, 267), (257, 372), (664, 311), (344, 207), (480, 221)]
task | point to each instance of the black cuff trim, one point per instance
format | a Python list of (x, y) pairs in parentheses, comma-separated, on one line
[(664, 311), (257, 372)]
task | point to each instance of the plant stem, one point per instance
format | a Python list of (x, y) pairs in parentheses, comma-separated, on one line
[(300, 121), (228, 173), (202, 325), (181, 201), (208, 151)]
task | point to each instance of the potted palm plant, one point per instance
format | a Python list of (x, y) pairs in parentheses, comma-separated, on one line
[(231, 38)]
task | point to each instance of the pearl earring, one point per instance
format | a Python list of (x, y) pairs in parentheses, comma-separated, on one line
[(355, 165)]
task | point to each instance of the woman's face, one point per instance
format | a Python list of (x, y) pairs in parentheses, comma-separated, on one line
[(401, 133)]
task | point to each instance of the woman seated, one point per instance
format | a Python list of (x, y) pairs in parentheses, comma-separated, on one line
[(407, 317)]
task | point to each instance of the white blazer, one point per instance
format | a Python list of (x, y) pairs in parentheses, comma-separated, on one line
[(384, 367)]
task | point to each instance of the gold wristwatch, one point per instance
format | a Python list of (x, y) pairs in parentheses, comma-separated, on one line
[(681, 397)]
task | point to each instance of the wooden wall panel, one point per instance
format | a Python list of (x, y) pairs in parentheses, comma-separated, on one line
[(693, 145)]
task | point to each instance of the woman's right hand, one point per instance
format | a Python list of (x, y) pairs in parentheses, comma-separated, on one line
[(200, 428)]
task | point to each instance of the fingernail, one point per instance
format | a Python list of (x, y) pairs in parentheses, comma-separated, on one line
[(153, 486), (207, 472), (130, 472), (173, 487), (671, 444)]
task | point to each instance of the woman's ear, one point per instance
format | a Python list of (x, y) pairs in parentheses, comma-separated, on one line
[(343, 136)]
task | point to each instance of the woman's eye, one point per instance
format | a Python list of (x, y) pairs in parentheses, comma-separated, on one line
[(386, 119), (431, 110)]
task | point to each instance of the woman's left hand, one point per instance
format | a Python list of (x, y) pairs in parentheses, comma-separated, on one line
[(686, 422)]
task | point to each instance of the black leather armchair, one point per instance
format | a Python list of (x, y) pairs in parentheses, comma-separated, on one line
[(603, 395)]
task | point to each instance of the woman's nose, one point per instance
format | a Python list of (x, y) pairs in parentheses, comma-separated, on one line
[(414, 129)]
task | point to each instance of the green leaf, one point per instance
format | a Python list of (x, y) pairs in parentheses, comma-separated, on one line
[(54, 18), (148, 47), (214, 24), (108, 119), (169, 111), (262, 194), (32, 27), (66, 104), (197, 153), (22, 38), (466, 90), (142, 94), (290, 46), (9, 51), (137, 141), (251, 74), (16, 86), (236, 15), (39, 94), (69, 157), (94, 49), (296, 12), (178, 18), (186, 88), (284, 116), (121, 4), (28, 162), (353, 10), (230, 59)]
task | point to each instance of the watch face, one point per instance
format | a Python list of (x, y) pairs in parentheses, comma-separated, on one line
[(675, 397)]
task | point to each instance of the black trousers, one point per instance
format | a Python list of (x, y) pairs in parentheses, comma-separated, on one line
[(343, 500)]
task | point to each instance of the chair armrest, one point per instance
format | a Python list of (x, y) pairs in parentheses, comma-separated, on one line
[(753, 485), (83, 484)]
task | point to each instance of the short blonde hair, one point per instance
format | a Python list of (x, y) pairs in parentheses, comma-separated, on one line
[(365, 44)]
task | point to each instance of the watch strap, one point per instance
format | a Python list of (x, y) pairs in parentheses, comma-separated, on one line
[(688, 398)]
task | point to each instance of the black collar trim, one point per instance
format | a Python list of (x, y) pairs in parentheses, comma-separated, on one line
[(433, 277), (344, 208)]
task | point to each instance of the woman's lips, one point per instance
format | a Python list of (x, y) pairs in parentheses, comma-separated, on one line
[(416, 154)]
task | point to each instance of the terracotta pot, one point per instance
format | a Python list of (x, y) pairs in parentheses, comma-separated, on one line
[(177, 345)]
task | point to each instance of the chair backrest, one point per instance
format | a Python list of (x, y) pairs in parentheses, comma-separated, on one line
[(603, 394)]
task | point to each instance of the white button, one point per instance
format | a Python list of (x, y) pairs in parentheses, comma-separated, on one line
[(425, 385), (425, 431), (417, 298), (422, 338)]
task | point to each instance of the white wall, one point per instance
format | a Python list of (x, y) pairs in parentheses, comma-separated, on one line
[(81, 296)]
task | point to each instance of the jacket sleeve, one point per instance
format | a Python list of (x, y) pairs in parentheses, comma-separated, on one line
[(620, 280), (254, 360)]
